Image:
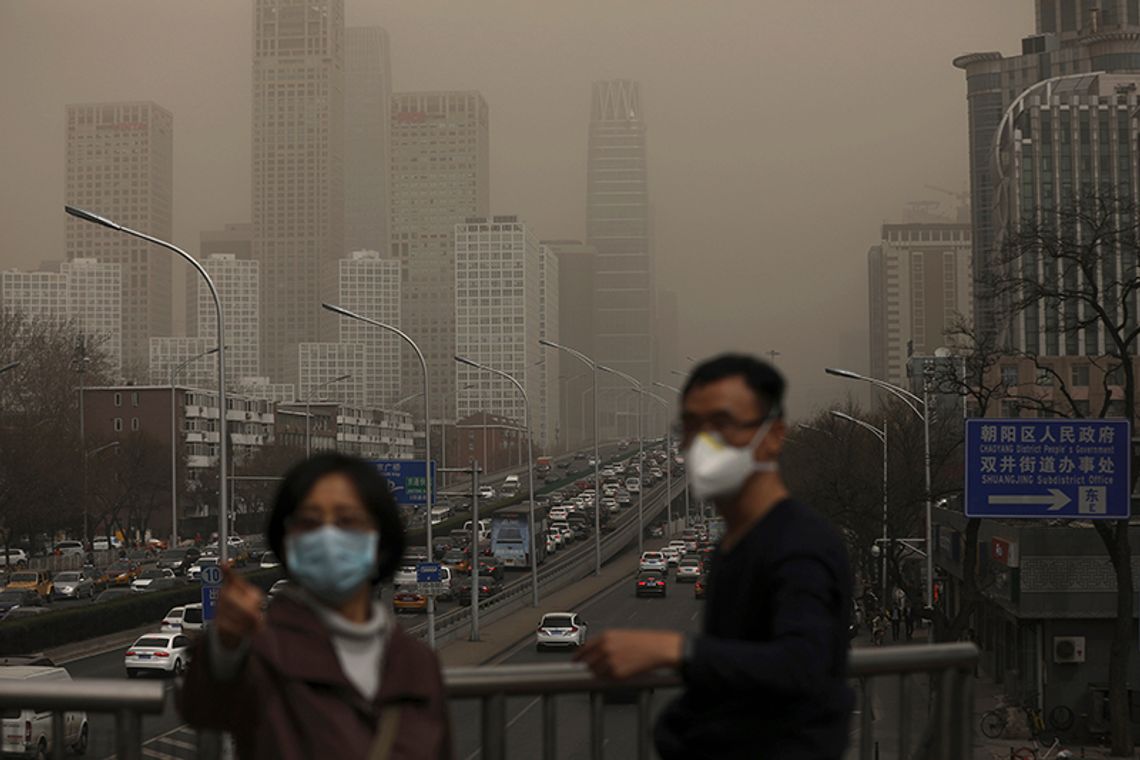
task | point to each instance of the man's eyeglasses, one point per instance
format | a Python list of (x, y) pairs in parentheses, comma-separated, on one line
[(723, 424), (305, 523)]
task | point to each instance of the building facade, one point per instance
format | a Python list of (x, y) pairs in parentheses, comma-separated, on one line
[(85, 292), (1060, 142), (366, 433), (235, 238), (367, 124), (440, 177), (576, 262), (370, 286), (498, 317), (333, 371), (921, 289), (120, 164), (618, 227), (297, 171), (1071, 37), (549, 427)]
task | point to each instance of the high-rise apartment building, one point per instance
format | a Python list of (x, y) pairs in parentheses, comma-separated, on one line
[(499, 320), (298, 171), (367, 123), (1060, 141), (921, 287), (370, 286), (120, 164), (576, 330), (235, 238), (618, 226), (86, 292), (239, 285), (332, 371), (1071, 37), (440, 177)]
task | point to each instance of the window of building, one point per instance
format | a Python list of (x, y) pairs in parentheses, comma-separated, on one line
[(134, 423), (1044, 376), (118, 399), (1115, 376), (1009, 375), (1081, 407), (1080, 375), (118, 424), (1010, 409)]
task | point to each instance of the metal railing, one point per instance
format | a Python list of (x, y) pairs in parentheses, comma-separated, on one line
[(127, 701), (947, 734)]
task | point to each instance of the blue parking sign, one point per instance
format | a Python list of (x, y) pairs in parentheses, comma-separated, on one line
[(211, 588), (1076, 469)]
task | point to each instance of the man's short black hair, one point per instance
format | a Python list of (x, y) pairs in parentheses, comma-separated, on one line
[(370, 485), (764, 379)]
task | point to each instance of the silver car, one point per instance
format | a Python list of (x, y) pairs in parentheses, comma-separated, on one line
[(72, 584)]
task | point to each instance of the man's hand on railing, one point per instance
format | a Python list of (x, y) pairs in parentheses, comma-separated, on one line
[(240, 609), (622, 654)]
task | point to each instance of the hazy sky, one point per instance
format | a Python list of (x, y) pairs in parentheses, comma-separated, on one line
[(781, 134)]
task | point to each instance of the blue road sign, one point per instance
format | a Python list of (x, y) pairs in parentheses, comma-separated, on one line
[(1048, 468), (428, 572), (211, 578), (407, 479)]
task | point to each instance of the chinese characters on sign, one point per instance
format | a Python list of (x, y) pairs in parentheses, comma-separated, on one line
[(407, 478), (1045, 468)]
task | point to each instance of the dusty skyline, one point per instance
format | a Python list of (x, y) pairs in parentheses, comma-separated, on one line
[(781, 135)]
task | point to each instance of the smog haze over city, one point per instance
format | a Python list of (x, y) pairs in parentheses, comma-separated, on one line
[(780, 135)]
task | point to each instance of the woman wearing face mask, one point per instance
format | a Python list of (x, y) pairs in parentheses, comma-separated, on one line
[(323, 671)]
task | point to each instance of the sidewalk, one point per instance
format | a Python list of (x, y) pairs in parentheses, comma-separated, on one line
[(498, 639)]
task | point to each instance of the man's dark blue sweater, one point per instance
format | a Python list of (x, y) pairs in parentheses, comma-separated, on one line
[(768, 677)]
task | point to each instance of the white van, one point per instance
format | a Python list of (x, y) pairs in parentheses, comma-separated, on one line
[(439, 514), (484, 529), (29, 733)]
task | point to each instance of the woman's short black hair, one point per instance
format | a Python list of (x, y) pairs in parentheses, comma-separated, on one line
[(764, 379), (373, 490)]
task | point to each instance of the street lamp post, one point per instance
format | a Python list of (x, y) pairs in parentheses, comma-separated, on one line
[(223, 436), (668, 464), (597, 458), (427, 437), (308, 407), (670, 460), (882, 436), (174, 445), (640, 452), (913, 403), (530, 469), (86, 456)]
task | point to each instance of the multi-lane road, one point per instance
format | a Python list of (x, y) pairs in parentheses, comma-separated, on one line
[(615, 608)]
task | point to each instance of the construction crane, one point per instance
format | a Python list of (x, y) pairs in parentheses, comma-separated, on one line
[(963, 199)]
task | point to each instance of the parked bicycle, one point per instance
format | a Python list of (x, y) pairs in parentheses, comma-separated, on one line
[(995, 722)]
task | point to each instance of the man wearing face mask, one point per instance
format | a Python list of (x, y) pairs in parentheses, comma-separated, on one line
[(767, 675)]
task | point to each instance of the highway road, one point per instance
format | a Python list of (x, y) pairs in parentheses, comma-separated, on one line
[(616, 608)]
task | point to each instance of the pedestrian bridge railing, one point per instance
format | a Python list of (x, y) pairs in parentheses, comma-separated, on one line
[(946, 735)]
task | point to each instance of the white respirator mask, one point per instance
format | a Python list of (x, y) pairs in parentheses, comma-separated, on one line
[(717, 469)]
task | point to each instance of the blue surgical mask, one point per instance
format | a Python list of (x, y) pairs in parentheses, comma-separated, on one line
[(330, 562)]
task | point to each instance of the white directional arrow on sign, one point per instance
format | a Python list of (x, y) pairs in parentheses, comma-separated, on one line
[(1056, 499)]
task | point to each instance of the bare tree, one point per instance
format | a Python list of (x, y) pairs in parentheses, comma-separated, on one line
[(1073, 270)]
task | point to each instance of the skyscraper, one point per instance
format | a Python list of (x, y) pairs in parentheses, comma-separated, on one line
[(920, 285), (86, 292), (238, 284), (1061, 142), (549, 427), (440, 177), (298, 171), (119, 163), (576, 330), (499, 319), (370, 286), (368, 114), (1072, 37), (618, 227)]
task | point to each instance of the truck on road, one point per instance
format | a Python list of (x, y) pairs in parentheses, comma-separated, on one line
[(543, 465), (511, 539)]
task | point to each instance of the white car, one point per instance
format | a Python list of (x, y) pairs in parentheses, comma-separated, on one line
[(269, 561), (672, 555), (192, 619), (163, 652), (551, 545), (67, 548), (195, 571), (557, 513), (608, 472), (28, 733), (486, 492), (652, 561), (559, 539), (405, 574), (172, 623), (142, 583), (17, 556), (560, 629), (278, 587), (688, 569), (633, 485)]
